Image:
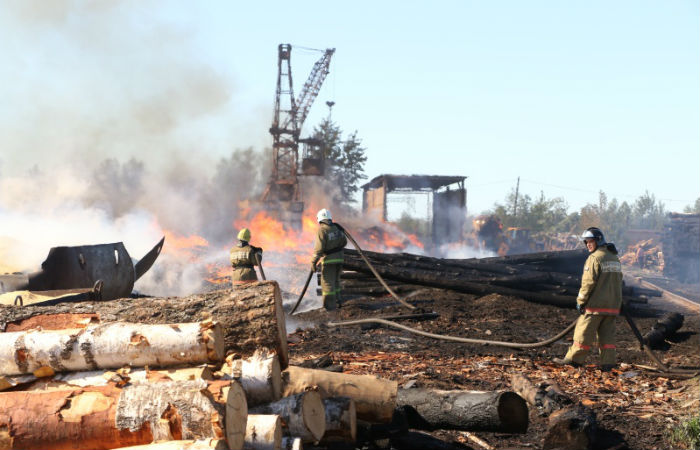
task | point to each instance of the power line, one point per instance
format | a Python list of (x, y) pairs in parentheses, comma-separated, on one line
[(571, 188), (596, 191), (295, 47), (510, 180)]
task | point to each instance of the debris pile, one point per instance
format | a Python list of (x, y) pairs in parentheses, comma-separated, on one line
[(645, 254)]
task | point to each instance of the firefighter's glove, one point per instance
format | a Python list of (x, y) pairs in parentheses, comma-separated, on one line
[(581, 308)]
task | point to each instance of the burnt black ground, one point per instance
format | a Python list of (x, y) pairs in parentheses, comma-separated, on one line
[(449, 365)]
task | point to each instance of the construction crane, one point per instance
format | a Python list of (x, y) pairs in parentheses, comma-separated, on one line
[(283, 196)]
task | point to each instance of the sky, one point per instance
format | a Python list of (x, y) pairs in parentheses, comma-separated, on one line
[(572, 97)]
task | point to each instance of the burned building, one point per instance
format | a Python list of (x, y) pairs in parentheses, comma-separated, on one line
[(448, 199)]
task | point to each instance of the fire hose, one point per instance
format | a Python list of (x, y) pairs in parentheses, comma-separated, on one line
[(371, 267), (660, 365), (303, 291), (374, 271), (443, 337)]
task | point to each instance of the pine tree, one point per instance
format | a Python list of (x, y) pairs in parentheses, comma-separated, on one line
[(345, 159)]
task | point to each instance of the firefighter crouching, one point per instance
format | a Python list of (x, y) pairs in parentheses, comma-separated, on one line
[(328, 249), (599, 302), (244, 257)]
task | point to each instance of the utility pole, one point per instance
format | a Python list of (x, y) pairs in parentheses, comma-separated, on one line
[(515, 203)]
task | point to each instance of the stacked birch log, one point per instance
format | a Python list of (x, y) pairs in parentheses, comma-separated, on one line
[(132, 372), (547, 277), (64, 395), (78, 376)]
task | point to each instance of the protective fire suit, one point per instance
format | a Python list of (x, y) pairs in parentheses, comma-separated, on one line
[(243, 259), (328, 248), (600, 297)]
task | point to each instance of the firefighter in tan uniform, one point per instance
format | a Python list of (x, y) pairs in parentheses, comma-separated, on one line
[(328, 249), (599, 302), (244, 257)]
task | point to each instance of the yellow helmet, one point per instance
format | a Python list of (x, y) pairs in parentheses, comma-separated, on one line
[(244, 235)]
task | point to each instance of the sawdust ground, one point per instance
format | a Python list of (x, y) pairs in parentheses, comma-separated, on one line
[(631, 403)]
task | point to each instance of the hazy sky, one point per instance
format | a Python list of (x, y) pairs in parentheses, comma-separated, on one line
[(573, 97)]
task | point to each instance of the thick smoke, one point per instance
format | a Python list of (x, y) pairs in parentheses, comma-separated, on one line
[(116, 129)]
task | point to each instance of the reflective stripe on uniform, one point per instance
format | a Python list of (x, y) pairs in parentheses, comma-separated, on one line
[(611, 266), (615, 311), (331, 261), (582, 346), (240, 255), (608, 346), (243, 281), (335, 292)]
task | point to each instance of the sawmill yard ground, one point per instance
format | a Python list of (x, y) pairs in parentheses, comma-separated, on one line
[(632, 403)]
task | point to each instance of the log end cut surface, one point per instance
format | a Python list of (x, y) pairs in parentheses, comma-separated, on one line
[(314, 414), (236, 415), (513, 411)]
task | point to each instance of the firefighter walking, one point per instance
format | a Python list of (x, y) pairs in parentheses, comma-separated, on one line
[(328, 250), (244, 258), (599, 302)]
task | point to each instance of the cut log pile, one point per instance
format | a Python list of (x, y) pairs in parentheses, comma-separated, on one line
[(547, 277), (108, 409), (79, 376)]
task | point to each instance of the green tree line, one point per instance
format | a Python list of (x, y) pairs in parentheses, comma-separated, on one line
[(552, 215)]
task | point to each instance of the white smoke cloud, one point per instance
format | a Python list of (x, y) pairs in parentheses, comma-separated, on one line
[(116, 128)]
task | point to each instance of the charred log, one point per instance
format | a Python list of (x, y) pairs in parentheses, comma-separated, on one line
[(664, 328), (428, 409), (547, 397), (572, 428)]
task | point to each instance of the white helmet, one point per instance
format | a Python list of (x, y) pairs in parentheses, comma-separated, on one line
[(593, 233), (323, 214)]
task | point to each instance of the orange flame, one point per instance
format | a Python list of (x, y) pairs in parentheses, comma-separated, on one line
[(189, 247), (270, 234)]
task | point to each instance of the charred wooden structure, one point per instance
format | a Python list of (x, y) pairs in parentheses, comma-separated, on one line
[(448, 199)]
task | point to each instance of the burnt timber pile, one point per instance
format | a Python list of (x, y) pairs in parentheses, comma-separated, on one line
[(630, 407), (551, 278)]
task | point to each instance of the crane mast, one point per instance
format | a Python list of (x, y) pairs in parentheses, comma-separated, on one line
[(283, 194)]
